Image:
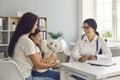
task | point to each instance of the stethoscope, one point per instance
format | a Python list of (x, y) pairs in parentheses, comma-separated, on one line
[(97, 45)]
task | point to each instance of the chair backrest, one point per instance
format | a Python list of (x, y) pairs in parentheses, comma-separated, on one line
[(65, 47), (9, 70), (1, 54)]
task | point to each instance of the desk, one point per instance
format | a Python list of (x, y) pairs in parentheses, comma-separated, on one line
[(90, 72)]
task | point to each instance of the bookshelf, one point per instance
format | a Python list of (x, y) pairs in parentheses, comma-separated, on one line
[(7, 28), (42, 24)]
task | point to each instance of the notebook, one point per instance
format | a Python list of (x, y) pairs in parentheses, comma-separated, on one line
[(101, 62)]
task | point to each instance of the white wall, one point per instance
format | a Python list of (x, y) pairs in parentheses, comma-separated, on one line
[(88, 9), (80, 16), (61, 14)]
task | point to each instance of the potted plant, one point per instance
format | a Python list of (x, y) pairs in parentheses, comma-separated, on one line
[(56, 35), (106, 35)]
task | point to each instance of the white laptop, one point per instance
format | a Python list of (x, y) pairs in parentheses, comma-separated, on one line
[(101, 62)]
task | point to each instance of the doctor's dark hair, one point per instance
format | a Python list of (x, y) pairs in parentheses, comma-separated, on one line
[(92, 23), (24, 26)]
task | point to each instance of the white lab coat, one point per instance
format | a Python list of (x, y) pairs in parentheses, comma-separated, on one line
[(84, 47)]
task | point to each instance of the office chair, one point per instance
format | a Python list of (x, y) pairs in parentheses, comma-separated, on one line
[(9, 70), (1, 54), (66, 50), (65, 47)]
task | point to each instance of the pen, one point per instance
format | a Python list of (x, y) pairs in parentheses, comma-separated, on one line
[(96, 65), (102, 65)]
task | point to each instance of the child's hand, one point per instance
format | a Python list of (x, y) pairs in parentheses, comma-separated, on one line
[(83, 58), (54, 56), (92, 57)]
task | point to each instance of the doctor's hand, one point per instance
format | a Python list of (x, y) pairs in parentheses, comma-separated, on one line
[(92, 57), (83, 58)]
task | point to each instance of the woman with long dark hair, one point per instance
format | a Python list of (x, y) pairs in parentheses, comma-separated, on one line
[(22, 49)]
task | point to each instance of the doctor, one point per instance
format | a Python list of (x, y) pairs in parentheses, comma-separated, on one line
[(90, 46)]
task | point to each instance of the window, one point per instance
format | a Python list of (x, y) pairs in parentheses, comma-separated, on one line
[(104, 16), (118, 19), (108, 18)]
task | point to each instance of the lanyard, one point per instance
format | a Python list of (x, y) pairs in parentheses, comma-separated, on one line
[(97, 45)]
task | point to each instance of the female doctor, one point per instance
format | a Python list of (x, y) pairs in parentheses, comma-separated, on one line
[(90, 44)]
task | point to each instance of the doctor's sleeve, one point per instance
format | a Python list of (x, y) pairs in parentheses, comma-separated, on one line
[(106, 52)]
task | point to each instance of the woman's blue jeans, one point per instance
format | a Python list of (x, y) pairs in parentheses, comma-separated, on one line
[(49, 73), (38, 78)]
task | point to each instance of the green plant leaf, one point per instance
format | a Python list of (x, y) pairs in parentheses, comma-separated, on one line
[(55, 35), (107, 34)]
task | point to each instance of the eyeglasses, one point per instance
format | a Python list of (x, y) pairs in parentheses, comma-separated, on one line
[(85, 27)]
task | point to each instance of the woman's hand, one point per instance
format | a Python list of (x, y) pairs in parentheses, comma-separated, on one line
[(92, 57), (55, 63), (83, 58), (50, 59)]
